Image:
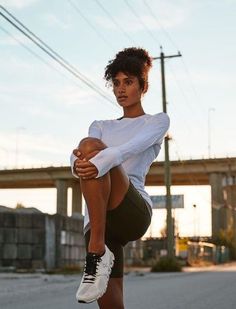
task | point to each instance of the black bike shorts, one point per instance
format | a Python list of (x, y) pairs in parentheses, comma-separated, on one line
[(127, 222)]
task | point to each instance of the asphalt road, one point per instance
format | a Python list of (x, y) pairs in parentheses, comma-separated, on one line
[(210, 288)]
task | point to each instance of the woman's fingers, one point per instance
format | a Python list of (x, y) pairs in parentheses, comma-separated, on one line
[(83, 164), (84, 171), (88, 176), (77, 153), (92, 154), (92, 176), (83, 167)]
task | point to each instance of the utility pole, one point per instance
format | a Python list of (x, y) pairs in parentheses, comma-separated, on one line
[(169, 219)]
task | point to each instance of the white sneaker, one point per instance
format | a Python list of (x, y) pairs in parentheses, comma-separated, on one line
[(96, 275)]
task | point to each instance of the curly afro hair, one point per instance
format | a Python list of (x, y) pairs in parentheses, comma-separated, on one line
[(131, 61)]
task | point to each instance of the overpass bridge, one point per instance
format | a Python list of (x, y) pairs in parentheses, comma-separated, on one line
[(219, 173)]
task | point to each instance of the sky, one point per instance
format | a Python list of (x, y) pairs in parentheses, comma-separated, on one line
[(45, 110)]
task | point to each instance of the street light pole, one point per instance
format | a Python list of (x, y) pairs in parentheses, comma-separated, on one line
[(7, 156), (195, 221), (211, 109), (18, 130)]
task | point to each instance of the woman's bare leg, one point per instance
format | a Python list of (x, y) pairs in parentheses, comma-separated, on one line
[(113, 298), (96, 193), (101, 194)]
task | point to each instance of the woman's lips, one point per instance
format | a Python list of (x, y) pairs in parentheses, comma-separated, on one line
[(122, 98)]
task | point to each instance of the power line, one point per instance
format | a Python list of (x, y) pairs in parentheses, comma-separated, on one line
[(180, 88), (143, 24), (190, 79), (55, 56), (192, 179), (36, 55), (159, 24), (78, 75), (114, 22), (196, 111), (175, 45), (39, 57), (78, 11)]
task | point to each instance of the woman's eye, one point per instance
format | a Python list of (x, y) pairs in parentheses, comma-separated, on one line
[(129, 82)]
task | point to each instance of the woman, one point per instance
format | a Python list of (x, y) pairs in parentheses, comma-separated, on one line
[(112, 164)]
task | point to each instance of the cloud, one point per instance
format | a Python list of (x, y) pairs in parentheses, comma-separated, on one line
[(167, 15), (72, 95), (170, 14), (205, 78), (53, 21), (14, 41), (14, 64), (27, 149), (17, 4), (79, 95)]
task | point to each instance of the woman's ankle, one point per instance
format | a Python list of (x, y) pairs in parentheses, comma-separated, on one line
[(98, 248)]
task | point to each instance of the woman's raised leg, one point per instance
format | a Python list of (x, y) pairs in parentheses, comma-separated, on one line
[(101, 194)]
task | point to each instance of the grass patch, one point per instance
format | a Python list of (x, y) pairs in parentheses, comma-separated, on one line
[(167, 264)]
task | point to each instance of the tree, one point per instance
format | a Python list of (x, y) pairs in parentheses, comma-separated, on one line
[(19, 205)]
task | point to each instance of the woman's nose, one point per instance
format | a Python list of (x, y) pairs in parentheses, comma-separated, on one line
[(121, 88)]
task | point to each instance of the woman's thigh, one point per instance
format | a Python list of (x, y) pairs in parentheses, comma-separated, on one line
[(130, 220), (119, 186)]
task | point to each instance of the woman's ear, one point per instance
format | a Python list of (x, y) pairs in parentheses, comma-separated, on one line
[(145, 89)]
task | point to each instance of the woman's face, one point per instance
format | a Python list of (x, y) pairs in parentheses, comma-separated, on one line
[(126, 89)]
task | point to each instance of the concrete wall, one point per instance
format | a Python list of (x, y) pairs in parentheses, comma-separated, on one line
[(40, 241), (134, 253), (22, 239), (70, 245)]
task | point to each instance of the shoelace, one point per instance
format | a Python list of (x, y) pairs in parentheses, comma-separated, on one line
[(90, 269)]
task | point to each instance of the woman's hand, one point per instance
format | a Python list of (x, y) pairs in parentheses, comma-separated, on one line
[(83, 167)]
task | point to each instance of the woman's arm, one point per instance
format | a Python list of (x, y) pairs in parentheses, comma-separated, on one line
[(150, 134), (94, 131)]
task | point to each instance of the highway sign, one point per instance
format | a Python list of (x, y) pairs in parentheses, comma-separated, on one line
[(159, 201)]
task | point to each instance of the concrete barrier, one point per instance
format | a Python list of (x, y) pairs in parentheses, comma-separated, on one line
[(40, 241)]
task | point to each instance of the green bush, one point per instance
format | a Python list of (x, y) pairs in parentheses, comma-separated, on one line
[(166, 264)]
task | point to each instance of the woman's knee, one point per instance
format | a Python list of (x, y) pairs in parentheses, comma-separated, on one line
[(89, 145)]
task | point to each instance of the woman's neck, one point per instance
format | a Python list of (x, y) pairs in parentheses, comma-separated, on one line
[(133, 112)]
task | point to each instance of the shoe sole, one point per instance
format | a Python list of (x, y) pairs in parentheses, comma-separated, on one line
[(103, 292)]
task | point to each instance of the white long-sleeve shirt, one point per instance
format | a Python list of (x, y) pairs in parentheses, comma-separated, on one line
[(132, 142)]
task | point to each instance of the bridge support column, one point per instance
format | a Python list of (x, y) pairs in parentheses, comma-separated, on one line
[(76, 198), (218, 210), (230, 197), (62, 187)]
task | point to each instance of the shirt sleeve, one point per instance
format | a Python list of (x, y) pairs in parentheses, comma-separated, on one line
[(151, 133), (94, 131)]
